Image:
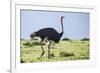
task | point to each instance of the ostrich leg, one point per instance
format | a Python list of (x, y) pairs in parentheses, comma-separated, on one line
[(49, 49), (42, 48)]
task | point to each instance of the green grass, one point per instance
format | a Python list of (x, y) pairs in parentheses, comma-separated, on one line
[(63, 51)]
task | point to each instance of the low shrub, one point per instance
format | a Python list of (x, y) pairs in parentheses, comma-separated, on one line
[(65, 54), (28, 44)]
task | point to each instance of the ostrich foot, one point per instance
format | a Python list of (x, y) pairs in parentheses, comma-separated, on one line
[(49, 56), (42, 54)]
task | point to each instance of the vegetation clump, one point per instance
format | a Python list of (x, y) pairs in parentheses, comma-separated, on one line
[(28, 44), (65, 54)]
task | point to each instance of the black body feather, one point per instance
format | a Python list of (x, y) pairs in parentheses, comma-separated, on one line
[(50, 34)]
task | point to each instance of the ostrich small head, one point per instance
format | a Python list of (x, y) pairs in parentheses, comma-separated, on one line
[(62, 17), (32, 35)]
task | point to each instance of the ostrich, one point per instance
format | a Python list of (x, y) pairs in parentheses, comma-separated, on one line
[(51, 34)]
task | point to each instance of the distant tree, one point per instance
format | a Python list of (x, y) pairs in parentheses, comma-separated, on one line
[(22, 39), (85, 39), (66, 39)]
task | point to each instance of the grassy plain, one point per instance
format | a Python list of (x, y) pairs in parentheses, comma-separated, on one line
[(63, 51)]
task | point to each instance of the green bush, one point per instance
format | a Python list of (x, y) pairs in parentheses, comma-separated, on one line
[(28, 44), (65, 54)]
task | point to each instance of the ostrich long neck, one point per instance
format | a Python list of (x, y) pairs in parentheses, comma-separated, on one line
[(60, 35), (62, 24)]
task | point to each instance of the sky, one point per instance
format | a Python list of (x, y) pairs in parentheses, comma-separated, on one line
[(76, 24)]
